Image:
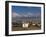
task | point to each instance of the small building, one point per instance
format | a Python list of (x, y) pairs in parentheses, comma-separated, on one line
[(25, 25), (33, 24)]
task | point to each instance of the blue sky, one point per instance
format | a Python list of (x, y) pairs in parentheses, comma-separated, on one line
[(26, 11)]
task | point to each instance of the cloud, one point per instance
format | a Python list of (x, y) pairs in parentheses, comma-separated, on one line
[(29, 14), (37, 14), (14, 14)]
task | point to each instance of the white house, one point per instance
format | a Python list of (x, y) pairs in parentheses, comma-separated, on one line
[(25, 25), (33, 24)]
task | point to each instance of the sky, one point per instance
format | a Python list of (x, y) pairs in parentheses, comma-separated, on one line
[(25, 11)]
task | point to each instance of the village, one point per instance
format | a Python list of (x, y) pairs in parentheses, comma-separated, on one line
[(26, 25)]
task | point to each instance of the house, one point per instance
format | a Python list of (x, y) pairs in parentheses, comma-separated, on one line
[(25, 25), (33, 24)]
